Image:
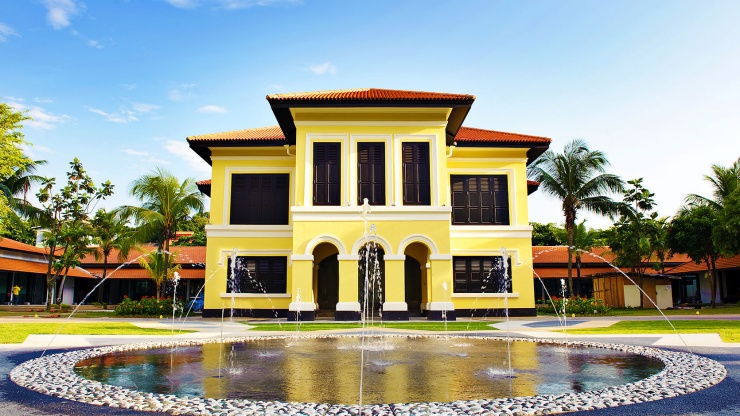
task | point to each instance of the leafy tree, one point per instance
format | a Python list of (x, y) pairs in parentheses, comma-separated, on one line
[(544, 234), (160, 266), (724, 181), (166, 203), (11, 140), (632, 237), (196, 224), (577, 177), (65, 216), (726, 233), (16, 228), (110, 231), (584, 239), (690, 233), (15, 189)]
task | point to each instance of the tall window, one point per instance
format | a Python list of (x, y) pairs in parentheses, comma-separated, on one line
[(259, 199), (416, 189), (258, 275), (480, 199), (327, 176), (371, 173), (481, 275)]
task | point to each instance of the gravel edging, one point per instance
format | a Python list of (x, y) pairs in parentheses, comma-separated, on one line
[(54, 375)]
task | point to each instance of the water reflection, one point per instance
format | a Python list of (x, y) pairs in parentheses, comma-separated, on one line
[(397, 369)]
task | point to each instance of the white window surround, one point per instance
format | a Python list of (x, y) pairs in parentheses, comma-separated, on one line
[(311, 138), (490, 231), (249, 231), (377, 213), (510, 183), (256, 170), (354, 139), (398, 140), (512, 253)]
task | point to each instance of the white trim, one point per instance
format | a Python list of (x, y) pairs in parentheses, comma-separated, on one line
[(490, 231), (512, 253), (486, 295), (462, 159), (354, 140), (378, 213), (280, 158), (395, 306), (510, 183), (440, 257), (350, 257), (326, 238), (254, 295), (250, 231), (440, 306), (295, 257), (348, 307), (394, 257), (226, 253), (254, 170), (301, 307), (343, 140), (418, 238), (360, 123)]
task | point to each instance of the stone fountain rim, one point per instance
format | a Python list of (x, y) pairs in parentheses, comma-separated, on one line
[(54, 375)]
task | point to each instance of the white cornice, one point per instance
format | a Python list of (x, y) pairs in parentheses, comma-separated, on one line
[(250, 231), (378, 213)]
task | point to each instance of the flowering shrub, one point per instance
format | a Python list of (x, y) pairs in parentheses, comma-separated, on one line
[(148, 306), (575, 305)]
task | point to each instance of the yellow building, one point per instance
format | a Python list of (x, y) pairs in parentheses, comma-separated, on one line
[(293, 207)]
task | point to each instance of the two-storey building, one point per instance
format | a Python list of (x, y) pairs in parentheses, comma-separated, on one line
[(444, 203)]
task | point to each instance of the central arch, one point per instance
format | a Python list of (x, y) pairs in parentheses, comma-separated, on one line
[(326, 278)]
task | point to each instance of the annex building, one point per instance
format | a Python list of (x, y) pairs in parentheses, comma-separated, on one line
[(294, 207)]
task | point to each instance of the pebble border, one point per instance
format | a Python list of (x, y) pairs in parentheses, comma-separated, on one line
[(54, 375)]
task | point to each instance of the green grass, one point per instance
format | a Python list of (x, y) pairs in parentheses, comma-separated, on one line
[(724, 310), (416, 326), (729, 331), (15, 333), (78, 314)]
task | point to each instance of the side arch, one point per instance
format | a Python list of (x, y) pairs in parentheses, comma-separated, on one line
[(325, 239), (417, 238)]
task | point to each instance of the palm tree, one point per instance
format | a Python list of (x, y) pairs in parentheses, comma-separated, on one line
[(724, 181), (577, 177), (165, 203), (110, 231), (16, 186), (160, 266)]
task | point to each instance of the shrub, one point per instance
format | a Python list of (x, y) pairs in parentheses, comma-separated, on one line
[(147, 306), (575, 305)]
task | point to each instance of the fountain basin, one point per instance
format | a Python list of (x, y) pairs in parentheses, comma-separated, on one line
[(55, 375)]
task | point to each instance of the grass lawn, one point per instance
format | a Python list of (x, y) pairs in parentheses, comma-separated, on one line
[(418, 326), (724, 310), (15, 333), (729, 331), (78, 314)]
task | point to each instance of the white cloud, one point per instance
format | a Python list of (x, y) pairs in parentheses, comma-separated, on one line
[(115, 118), (230, 4), (6, 31), (212, 109), (130, 87), (125, 114), (181, 150), (144, 108), (41, 119), (325, 68), (182, 92), (133, 152), (33, 150), (94, 44), (43, 100), (60, 12)]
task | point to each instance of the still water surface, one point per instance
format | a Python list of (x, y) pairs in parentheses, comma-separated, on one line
[(397, 369)]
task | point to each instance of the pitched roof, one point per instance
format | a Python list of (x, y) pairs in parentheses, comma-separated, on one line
[(473, 135), (26, 266), (9, 244), (193, 255), (369, 94), (269, 133), (139, 273), (558, 256), (691, 266)]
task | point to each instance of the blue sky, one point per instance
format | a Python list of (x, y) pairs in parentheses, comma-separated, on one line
[(120, 84)]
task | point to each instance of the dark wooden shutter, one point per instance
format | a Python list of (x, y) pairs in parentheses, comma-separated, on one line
[(500, 203), (371, 173), (259, 199), (416, 166), (480, 199), (327, 175)]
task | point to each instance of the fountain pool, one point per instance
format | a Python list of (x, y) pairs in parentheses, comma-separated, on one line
[(302, 379)]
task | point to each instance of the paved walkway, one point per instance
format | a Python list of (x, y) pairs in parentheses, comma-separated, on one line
[(719, 400)]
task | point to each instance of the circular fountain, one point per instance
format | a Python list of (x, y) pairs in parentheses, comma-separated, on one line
[(460, 360)]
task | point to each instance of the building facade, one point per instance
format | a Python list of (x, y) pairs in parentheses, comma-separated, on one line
[(391, 176)]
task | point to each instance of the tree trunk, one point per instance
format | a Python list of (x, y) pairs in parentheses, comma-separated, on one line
[(50, 279), (569, 228), (61, 287)]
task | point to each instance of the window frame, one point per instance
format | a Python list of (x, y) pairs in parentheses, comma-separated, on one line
[(270, 275), (465, 280), (497, 195), (266, 214), (376, 174), (416, 175), (332, 169)]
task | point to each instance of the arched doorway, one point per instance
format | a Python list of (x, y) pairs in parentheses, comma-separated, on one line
[(415, 277), (371, 279), (326, 278)]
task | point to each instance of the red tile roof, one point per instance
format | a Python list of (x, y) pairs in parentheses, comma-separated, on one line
[(469, 134), (27, 266), (369, 94), (691, 266), (9, 244), (559, 255), (203, 182), (139, 273), (271, 133), (184, 255)]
